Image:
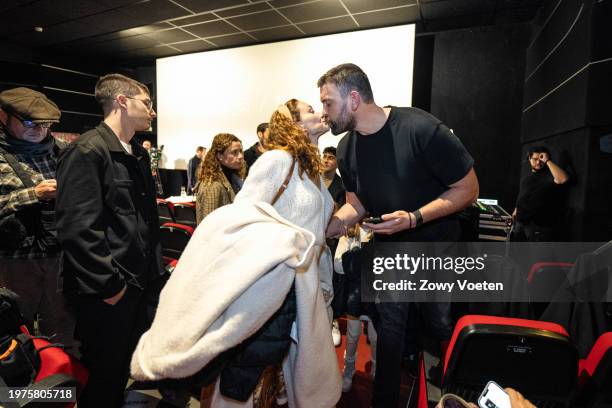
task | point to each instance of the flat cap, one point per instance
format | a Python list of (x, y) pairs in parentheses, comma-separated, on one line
[(28, 104)]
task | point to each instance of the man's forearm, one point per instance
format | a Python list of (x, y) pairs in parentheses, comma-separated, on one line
[(455, 199), (349, 215), (557, 172)]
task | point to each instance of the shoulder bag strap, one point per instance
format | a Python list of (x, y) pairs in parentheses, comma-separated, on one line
[(12, 161), (283, 187)]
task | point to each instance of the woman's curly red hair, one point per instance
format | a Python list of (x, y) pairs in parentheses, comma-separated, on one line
[(286, 135)]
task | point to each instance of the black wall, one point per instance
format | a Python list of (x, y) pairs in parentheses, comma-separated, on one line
[(476, 88), (67, 81), (567, 106)]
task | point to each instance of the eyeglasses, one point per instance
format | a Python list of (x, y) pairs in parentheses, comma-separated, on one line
[(147, 102), (30, 124)]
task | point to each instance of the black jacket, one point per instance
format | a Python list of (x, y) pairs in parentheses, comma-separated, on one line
[(251, 155), (106, 215), (192, 170)]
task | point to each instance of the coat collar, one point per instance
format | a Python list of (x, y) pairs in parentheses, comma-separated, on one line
[(227, 185), (114, 145)]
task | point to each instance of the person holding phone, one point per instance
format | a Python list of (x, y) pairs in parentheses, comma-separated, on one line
[(406, 167), (515, 400)]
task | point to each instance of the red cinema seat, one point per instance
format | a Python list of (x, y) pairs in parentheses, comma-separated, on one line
[(536, 358), (596, 375), (174, 239), (169, 263)]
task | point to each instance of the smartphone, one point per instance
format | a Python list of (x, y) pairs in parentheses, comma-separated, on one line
[(373, 220), (494, 396)]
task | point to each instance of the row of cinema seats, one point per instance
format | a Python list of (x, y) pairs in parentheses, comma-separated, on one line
[(180, 213), (177, 223), (537, 358)]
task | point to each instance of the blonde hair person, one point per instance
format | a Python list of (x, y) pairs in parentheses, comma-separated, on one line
[(220, 175)]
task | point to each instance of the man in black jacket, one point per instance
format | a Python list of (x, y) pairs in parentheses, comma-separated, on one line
[(108, 227), (192, 168)]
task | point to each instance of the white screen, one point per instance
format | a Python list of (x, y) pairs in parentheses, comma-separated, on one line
[(233, 90)]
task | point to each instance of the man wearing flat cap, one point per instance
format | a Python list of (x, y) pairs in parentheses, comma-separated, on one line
[(29, 252)]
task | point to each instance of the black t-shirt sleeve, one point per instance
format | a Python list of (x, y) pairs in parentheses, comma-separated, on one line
[(446, 157), (350, 184)]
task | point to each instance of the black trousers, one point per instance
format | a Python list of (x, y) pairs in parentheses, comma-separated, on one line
[(108, 336), (391, 321), (531, 232)]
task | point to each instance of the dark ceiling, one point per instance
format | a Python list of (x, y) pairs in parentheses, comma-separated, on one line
[(135, 30)]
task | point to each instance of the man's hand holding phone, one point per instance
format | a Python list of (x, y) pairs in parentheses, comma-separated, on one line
[(390, 223)]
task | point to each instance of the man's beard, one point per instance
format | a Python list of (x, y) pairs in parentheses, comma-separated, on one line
[(345, 122)]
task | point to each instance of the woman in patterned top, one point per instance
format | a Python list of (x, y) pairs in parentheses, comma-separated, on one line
[(220, 175)]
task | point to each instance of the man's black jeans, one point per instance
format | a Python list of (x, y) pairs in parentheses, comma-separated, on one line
[(391, 321)]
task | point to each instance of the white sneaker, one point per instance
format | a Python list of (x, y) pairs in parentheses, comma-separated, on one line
[(347, 376), (336, 335)]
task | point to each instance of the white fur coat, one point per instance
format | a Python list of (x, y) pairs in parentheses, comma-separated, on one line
[(234, 274)]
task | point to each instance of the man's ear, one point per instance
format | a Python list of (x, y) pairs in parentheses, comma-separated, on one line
[(121, 101), (3, 116), (355, 100)]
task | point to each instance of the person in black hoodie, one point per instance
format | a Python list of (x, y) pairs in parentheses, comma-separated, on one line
[(108, 227)]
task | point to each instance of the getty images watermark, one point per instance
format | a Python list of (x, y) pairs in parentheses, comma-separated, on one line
[(480, 272), (413, 264)]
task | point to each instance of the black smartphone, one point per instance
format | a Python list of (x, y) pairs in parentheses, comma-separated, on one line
[(373, 220)]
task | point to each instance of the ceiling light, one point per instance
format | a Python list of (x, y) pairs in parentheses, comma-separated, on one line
[(38, 29)]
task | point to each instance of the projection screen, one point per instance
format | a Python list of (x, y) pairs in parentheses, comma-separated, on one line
[(233, 90)]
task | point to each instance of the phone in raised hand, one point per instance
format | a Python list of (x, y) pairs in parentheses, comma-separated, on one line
[(494, 396)]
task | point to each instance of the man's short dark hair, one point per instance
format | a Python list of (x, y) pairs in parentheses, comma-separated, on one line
[(262, 127), (347, 78), (111, 85), (200, 149), (330, 150), (537, 149)]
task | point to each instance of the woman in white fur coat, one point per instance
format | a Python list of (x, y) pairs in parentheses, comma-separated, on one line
[(224, 273), (294, 132)]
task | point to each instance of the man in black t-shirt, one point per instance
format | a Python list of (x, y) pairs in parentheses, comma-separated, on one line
[(252, 153), (405, 166), (537, 202)]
